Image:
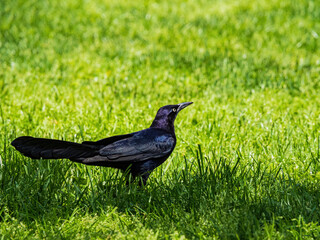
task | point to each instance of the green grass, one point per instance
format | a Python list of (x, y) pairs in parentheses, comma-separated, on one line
[(247, 161)]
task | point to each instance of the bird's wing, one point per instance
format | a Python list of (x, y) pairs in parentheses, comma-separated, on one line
[(109, 140), (141, 146)]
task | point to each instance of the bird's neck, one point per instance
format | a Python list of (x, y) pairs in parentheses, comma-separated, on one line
[(163, 124)]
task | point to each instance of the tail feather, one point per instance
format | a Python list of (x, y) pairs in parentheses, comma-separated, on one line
[(52, 149)]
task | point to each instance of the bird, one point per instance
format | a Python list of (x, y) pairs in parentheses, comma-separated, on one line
[(137, 153)]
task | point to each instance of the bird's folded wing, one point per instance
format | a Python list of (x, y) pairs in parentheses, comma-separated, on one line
[(109, 140), (139, 148)]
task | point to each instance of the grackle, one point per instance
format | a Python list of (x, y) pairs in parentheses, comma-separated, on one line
[(139, 153)]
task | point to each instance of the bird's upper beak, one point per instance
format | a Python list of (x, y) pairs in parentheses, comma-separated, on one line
[(183, 105)]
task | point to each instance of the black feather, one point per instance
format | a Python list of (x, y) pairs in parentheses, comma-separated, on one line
[(109, 140), (52, 149)]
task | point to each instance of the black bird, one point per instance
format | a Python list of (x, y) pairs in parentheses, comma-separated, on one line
[(139, 153)]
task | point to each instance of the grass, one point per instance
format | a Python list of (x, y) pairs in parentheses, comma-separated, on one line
[(246, 165)]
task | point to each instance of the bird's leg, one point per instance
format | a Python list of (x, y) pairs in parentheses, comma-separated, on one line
[(129, 178), (141, 178), (144, 179)]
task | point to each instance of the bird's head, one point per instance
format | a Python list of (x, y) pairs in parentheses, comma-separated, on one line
[(167, 114)]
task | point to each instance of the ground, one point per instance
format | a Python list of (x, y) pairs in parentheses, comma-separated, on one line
[(246, 164)]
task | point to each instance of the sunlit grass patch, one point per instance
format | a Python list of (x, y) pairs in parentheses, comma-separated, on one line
[(247, 158)]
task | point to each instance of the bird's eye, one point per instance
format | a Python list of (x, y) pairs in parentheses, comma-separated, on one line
[(174, 109)]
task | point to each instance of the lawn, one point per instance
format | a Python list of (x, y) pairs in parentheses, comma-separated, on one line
[(247, 160)]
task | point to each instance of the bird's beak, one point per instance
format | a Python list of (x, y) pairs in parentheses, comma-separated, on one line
[(183, 105)]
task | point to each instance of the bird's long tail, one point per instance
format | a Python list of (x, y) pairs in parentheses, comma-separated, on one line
[(52, 149)]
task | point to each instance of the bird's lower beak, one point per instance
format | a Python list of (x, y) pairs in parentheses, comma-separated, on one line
[(183, 105)]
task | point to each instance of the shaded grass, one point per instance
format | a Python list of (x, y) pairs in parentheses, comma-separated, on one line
[(202, 198), (247, 160)]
